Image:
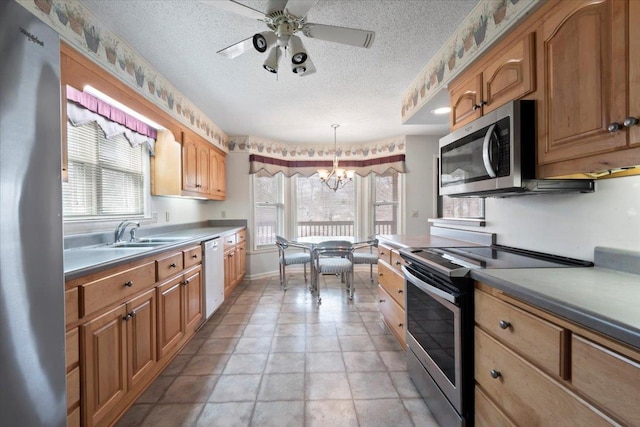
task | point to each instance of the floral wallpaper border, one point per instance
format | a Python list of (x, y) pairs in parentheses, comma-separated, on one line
[(283, 150), (77, 25), (486, 22)]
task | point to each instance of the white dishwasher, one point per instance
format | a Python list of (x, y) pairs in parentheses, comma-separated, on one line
[(213, 275)]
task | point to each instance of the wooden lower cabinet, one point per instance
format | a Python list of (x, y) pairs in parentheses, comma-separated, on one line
[(141, 337), (235, 260), (391, 292), (193, 299), (229, 270), (394, 316), (487, 413), (104, 353), (241, 261), (171, 328)]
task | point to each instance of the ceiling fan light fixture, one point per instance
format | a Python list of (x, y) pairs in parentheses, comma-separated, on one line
[(297, 50), (299, 69), (262, 41), (271, 64)]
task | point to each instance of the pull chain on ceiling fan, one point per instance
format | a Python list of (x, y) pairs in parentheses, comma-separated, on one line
[(285, 18)]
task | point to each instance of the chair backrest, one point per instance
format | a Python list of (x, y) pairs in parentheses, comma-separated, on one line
[(371, 243), (282, 243), (334, 248)]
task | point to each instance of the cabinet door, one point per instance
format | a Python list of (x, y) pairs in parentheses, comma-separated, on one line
[(217, 184), (229, 270), (141, 336), (105, 372), (222, 175), (240, 262), (466, 96), (170, 316), (202, 177), (193, 298), (584, 65), (634, 70), (510, 76), (189, 164)]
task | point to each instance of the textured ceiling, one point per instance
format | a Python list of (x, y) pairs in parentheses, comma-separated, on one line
[(360, 89)]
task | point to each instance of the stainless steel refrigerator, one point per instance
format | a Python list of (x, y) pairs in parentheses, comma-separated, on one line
[(32, 323)]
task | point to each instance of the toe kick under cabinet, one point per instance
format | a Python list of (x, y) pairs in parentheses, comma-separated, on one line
[(124, 325), (533, 368)]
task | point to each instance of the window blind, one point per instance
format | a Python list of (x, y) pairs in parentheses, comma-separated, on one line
[(267, 194), (106, 176)]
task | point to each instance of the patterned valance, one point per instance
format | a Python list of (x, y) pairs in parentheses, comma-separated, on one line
[(83, 108), (263, 165)]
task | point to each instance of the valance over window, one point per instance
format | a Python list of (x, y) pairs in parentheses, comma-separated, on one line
[(83, 108), (263, 165)]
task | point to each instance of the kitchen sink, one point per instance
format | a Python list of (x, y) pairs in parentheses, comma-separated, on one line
[(160, 239), (120, 245)]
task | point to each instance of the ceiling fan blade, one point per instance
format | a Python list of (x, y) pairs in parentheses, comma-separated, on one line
[(237, 8), (275, 6), (310, 68), (300, 8), (237, 49), (351, 36)]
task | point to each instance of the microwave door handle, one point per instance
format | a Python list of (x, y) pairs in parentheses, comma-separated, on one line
[(486, 147)]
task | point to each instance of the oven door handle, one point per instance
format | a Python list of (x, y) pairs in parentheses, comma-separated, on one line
[(430, 289), (486, 152)]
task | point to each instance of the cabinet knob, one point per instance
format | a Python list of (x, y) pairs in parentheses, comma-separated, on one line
[(400, 325), (194, 256), (127, 317), (475, 107), (173, 265), (132, 314), (614, 127), (504, 324), (381, 301), (400, 291), (398, 263), (380, 274), (186, 282), (495, 374), (630, 121), (128, 283)]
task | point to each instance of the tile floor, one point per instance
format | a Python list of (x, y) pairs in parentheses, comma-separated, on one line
[(273, 358)]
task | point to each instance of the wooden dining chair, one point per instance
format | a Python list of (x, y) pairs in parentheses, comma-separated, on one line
[(370, 258), (290, 257), (333, 257)]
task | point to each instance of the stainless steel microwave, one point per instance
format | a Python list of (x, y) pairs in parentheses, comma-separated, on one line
[(494, 156)]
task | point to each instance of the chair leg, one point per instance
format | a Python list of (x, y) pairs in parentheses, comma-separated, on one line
[(281, 275), (305, 271), (284, 274), (371, 272)]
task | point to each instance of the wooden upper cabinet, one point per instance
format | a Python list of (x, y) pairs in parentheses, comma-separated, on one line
[(203, 167), (510, 76), (190, 164), (634, 71), (583, 70), (217, 175), (504, 76), (465, 96)]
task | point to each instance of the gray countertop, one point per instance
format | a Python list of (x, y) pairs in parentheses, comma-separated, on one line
[(605, 300), (83, 260)]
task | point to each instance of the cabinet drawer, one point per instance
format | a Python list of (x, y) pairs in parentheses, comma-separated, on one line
[(525, 394), (392, 282), (607, 378), (487, 414), (384, 253), (73, 387), (73, 419), (71, 306), (393, 316), (241, 236), (229, 241), (72, 348), (117, 287), (539, 341), (397, 261), (192, 256), (168, 266)]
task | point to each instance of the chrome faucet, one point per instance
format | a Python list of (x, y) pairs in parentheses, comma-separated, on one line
[(120, 229)]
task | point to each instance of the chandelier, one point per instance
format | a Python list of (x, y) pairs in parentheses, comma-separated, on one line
[(337, 177)]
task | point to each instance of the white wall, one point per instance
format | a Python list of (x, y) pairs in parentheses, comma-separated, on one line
[(570, 224), (419, 183)]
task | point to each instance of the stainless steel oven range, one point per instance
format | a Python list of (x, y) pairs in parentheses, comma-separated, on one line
[(439, 310)]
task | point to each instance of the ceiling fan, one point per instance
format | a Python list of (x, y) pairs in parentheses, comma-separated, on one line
[(286, 18)]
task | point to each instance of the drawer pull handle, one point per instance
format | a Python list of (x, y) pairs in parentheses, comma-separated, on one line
[(132, 314), (172, 265), (127, 317), (381, 301), (194, 256), (400, 291), (398, 262), (495, 374), (504, 324), (128, 283), (380, 274), (400, 325)]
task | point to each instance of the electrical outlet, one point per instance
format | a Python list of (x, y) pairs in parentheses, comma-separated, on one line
[(154, 217), (414, 214), (167, 217), (223, 214)]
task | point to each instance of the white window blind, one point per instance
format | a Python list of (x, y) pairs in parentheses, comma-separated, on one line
[(385, 203), (106, 176), (269, 207), (322, 211)]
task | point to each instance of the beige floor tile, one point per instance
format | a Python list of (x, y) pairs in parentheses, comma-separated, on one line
[(330, 413), (206, 364), (253, 345), (173, 415), (382, 412), (246, 363), (155, 391), (258, 331), (278, 414), (371, 385), (134, 416), (190, 389), (327, 386), (420, 413), (227, 414), (363, 361), (236, 388), (325, 362), (284, 363), (403, 384), (294, 344), (218, 346), (356, 343), (323, 343), (282, 387)]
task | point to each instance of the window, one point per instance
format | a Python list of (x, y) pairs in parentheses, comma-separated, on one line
[(385, 189), (322, 211), (269, 208), (106, 176)]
